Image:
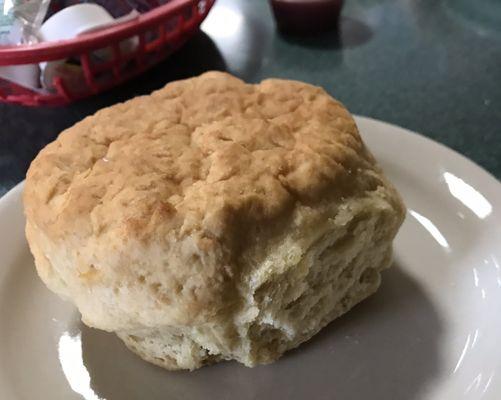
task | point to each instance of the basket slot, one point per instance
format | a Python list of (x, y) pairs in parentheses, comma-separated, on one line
[(189, 12), (117, 59), (88, 72), (161, 33), (158, 34), (11, 92), (61, 88), (201, 7), (103, 66), (171, 24), (140, 50), (109, 65), (176, 25), (188, 18), (154, 46), (194, 10)]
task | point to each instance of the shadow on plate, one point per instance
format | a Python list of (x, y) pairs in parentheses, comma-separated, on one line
[(386, 348), (350, 33)]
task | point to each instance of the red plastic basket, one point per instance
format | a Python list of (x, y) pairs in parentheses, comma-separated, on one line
[(159, 32)]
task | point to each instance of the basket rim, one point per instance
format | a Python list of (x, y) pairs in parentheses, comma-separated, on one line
[(49, 51)]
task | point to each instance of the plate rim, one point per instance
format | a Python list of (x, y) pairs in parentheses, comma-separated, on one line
[(12, 199)]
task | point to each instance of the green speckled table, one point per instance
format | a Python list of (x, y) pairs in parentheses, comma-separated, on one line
[(433, 66)]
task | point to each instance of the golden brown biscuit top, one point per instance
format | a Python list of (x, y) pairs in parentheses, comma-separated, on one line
[(201, 154)]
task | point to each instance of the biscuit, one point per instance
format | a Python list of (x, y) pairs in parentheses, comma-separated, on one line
[(213, 219)]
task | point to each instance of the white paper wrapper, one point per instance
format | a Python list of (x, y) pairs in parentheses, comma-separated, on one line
[(26, 75), (20, 20), (74, 21), (19, 23)]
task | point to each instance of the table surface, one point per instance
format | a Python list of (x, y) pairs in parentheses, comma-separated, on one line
[(432, 66)]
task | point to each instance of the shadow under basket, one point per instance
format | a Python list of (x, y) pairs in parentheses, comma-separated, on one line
[(100, 60)]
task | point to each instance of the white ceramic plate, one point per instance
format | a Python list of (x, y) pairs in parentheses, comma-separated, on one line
[(431, 332)]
